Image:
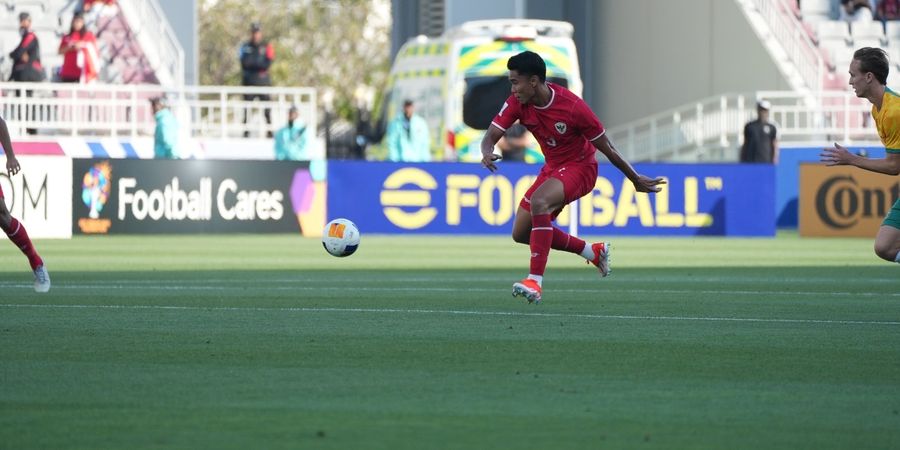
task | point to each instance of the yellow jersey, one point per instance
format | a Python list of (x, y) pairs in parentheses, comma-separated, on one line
[(887, 120)]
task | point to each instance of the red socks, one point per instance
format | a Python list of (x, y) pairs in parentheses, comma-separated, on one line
[(19, 236), (541, 239), (566, 242)]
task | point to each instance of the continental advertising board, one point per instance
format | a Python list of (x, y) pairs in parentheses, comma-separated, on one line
[(155, 196), (844, 201), (705, 199), (40, 195)]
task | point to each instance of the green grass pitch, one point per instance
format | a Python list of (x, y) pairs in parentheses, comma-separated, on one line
[(415, 342)]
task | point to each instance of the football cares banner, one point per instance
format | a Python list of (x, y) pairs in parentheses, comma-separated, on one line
[(844, 201), (40, 195), (195, 196), (704, 199)]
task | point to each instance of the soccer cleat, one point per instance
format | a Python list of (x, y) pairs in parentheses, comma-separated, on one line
[(529, 289), (601, 257), (41, 279)]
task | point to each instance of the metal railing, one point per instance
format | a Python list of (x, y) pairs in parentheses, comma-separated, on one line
[(712, 129), (790, 33), (161, 46), (66, 109)]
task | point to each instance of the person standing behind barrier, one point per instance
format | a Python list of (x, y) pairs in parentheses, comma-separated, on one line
[(408, 137), (81, 59), (291, 140), (26, 60), (256, 57), (760, 138), (165, 138), (26, 57)]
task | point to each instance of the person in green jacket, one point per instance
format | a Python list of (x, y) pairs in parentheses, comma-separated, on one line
[(165, 139), (408, 138), (291, 140)]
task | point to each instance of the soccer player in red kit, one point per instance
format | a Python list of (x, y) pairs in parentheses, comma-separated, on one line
[(12, 227), (569, 135)]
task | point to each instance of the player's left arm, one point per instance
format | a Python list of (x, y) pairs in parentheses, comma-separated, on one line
[(593, 130), (12, 164), (642, 183), (840, 156)]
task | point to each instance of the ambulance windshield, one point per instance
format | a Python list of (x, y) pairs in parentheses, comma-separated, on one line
[(485, 95)]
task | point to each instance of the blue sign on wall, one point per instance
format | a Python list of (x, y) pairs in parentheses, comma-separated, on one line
[(703, 199)]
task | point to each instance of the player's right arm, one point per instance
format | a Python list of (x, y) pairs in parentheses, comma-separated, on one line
[(508, 115), (12, 164), (840, 156), (641, 183), (491, 137)]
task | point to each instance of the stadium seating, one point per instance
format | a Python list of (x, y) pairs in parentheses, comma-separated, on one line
[(815, 10), (124, 61)]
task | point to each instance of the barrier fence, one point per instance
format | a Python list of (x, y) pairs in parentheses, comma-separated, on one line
[(56, 196)]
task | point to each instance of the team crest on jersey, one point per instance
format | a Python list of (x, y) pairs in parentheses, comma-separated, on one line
[(561, 127)]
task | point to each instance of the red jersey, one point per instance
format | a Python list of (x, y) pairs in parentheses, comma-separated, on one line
[(564, 128), (72, 68)]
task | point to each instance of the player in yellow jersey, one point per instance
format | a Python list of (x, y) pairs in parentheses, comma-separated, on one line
[(868, 76)]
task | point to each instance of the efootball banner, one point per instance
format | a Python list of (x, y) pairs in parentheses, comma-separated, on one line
[(451, 198)]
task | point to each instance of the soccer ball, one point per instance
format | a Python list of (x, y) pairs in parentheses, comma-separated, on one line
[(340, 238)]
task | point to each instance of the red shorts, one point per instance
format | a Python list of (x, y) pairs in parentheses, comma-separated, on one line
[(578, 180)]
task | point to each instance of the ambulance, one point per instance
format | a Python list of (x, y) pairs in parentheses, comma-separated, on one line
[(458, 81)]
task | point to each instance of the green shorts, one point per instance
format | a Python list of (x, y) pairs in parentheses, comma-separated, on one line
[(893, 217)]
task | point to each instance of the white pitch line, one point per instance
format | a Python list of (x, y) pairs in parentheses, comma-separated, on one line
[(350, 288), (461, 312)]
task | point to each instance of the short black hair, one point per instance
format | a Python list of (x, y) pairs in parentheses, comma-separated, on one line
[(528, 63), (875, 60), (408, 102)]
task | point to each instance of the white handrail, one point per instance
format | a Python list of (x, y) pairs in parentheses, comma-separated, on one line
[(163, 45), (124, 110), (712, 129), (790, 33)]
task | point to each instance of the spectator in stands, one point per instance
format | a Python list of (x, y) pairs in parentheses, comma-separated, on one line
[(165, 138), (256, 57), (889, 9), (88, 5), (291, 140), (408, 137), (760, 138), (856, 11), (81, 59), (26, 59)]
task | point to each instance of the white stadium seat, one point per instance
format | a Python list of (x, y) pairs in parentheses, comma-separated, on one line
[(833, 30), (892, 31), (867, 32), (820, 8)]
